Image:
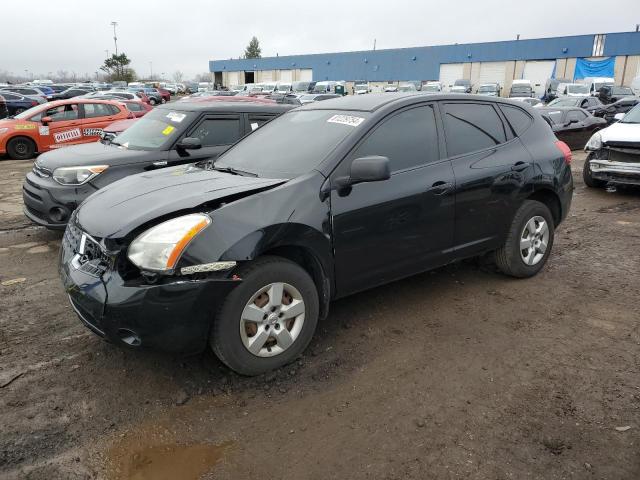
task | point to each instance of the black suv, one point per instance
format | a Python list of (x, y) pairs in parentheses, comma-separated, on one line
[(246, 253), (173, 134)]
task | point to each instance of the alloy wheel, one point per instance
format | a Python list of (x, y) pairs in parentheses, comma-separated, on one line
[(272, 319), (534, 240)]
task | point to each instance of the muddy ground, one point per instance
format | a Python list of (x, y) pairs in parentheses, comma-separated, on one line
[(457, 373)]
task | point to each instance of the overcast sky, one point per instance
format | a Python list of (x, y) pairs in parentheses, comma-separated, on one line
[(73, 35)]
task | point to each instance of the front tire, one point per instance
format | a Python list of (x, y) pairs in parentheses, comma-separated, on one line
[(589, 181), (153, 102), (528, 242), (269, 319), (21, 148)]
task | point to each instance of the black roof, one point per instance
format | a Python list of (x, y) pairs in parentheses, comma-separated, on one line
[(226, 106), (374, 101)]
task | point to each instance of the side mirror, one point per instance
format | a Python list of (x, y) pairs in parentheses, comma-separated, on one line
[(573, 120), (373, 168), (46, 121), (618, 116), (189, 143)]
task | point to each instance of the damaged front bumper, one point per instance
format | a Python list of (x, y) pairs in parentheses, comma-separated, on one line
[(173, 314), (616, 164)]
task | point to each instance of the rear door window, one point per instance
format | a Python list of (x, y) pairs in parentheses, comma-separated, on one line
[(517, 118), (577, 115), (218, 131), (93, 110), (470, 127), (256, 121)]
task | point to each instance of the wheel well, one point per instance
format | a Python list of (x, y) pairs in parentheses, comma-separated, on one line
[(551, 200), (22, 137), (313, 267)]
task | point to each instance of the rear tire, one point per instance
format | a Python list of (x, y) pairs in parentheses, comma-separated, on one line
[(21, 148), (589, 181), (276, 337), (528, 242), (153, 102)]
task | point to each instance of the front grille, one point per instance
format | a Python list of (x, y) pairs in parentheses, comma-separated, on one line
[(624, 155), (92, 260)]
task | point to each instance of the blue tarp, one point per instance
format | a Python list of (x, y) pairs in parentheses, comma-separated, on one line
[(592, 68)]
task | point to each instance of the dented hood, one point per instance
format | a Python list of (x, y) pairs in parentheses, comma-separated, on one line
[(119, 208), (621, 132)]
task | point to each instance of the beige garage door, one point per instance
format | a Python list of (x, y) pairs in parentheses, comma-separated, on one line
[(233, 79), (286, 76), (492, 72), (266, 76), (449, 73), (306, 75)]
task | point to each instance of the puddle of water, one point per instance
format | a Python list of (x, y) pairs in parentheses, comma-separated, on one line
[(170, 462), (165, 462)]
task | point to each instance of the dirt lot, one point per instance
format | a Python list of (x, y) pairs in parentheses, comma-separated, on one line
[(458, 373)]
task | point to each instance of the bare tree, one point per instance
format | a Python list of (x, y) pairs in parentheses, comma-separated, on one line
[(178, 76)]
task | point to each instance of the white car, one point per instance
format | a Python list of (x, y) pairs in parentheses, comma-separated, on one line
[(573, 90), (433, 87), (614, 152)]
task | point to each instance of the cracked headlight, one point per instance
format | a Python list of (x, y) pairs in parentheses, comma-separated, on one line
[(594, 143), (159, 248), (77, 175)]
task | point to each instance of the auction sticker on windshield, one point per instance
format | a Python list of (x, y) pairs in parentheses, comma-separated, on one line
[(168, 130), (176, 117), (346, 120)]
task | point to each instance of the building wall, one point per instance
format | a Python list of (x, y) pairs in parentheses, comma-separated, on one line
[(423, 63)]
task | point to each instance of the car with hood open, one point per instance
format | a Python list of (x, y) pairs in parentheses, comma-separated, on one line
[(171, 134), (614, 153), (246, 253)]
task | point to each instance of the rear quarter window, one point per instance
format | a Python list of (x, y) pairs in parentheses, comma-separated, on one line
[(517, 118), (470, 127)]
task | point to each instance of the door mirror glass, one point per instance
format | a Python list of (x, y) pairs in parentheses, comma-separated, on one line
[(189, 143), (372, 168)]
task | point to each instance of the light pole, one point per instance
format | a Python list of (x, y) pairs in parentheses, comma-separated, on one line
[(151, 69), (107, 52), (115, 37), (26, 74)]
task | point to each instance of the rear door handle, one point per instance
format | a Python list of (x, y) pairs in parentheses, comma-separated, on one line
[(520, 166), (440, 188)]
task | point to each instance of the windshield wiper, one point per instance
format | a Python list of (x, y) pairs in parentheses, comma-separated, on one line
[(233, 171)]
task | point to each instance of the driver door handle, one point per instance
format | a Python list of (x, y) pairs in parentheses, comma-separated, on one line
[(520, 166), (440, 188)]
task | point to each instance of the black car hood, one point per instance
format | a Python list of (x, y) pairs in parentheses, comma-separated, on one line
[(95, 153), (119, 208)]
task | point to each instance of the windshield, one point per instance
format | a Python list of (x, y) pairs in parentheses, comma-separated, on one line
[(156, 130), (407, 88), (461, 83), (292, 144), (564, 102), (521, 89), (28, 113), (578, 89), (621, 91), (431, 88), (487, 88), (632, 116)]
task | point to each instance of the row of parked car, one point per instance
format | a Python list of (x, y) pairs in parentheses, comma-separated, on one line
[(233, 221)]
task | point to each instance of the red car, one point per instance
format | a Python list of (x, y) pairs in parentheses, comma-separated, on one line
[(137, 108), (166, 94)]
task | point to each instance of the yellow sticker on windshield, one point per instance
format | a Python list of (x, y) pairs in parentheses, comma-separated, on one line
[(168, 130)]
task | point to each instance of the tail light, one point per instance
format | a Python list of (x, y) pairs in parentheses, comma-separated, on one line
[(34, 103), (566, 151)]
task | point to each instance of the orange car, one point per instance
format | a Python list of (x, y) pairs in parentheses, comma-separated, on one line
[(57, 124)]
